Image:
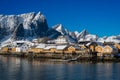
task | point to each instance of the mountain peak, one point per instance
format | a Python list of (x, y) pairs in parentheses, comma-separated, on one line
[(85, 32), (85, 36), (23, 25), (60, 28)]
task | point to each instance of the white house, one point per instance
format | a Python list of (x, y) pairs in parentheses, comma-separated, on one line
[(61, 40)]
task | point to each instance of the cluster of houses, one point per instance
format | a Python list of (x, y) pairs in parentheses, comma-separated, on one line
[(81, 48), (46, 48), (105, 49), (62, 47)]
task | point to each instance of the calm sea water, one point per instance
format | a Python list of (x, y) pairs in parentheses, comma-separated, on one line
[(13, 68)]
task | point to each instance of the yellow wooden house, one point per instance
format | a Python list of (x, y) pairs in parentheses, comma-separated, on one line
[(117, 46), (60, 48), (99, 49), (92, 46), (50, 49), (4, 49), (8, 49), (38, 49), (69, 49), (35, 50), (13, 49), (108, 49)]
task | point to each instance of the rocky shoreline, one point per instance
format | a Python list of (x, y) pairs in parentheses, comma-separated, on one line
[(63, 57)]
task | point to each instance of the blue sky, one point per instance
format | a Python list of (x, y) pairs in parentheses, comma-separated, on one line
[(101, 17)]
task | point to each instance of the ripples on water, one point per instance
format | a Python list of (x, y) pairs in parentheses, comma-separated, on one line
[(13, 68)]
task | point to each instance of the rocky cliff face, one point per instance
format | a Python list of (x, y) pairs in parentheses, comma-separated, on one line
[(24, 26)]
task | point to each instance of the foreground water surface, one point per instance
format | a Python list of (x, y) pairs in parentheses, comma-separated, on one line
[(13, 68)]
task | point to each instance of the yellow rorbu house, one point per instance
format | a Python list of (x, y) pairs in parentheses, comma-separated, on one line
[(37, 49), (69, 49), (117, 46), (92, 46), (105, 50), (4, 49), (55, 48), (50, 49), (8, 49), (110, 49), (99, 49), (74, 49), (60, 48), (13, 49)]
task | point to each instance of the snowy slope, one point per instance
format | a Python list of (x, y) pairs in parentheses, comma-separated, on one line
[(59, 30), (115, 39), (23, 26), (85, 36), (33, 25)]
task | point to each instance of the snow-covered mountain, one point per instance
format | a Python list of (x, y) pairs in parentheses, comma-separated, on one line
[(85, 36), (59, 30), (115, 39), (33, 25), (23, 26)]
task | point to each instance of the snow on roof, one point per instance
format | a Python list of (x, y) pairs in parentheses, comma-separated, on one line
[(41, 46), (58, 47), (49, 47), (61, 47), (76, 47), (88, 44), (111, 46), (21, 41), (101, 46)]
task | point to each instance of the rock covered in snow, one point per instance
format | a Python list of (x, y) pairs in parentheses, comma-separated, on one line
[(30, 26), (114, 39), (23, 26), (85, 36), (59, 30)]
